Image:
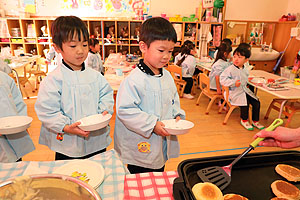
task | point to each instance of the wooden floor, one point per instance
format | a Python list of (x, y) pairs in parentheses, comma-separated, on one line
[(208, 138)]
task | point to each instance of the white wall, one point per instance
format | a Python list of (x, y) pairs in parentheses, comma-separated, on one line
[(293, 6), (267, 10), (236, 9)]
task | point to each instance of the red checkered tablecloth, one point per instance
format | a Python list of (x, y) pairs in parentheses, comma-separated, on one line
[(152, 185)]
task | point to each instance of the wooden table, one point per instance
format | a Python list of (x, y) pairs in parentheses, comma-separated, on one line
[(293, 92)]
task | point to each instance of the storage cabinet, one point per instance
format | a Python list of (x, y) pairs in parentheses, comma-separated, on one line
[(33, 34)]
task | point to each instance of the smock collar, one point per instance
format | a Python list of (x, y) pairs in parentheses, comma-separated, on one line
[(92, 52), (144, 68), (70, 68)]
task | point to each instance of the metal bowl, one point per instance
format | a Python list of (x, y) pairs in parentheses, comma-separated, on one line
[(47, 186)]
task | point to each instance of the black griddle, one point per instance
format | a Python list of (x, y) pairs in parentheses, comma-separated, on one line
[(251, 176)]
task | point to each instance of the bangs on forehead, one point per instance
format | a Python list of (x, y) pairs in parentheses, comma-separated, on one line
[(76, 34)]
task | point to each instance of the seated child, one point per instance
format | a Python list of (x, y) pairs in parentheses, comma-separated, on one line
[(219, 65), (187, 61), (145, 98), (94, 59), (236, 77), (12, 147), (226, 41), (71, 92)]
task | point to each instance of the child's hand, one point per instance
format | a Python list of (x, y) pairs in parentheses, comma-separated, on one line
[(219, 91), (74, 129), (177, 118), (238, 83), (159, 129), (104, 112)]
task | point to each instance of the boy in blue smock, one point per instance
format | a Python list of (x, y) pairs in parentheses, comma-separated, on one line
[(145, 98), (14, 146), (71, 92), (235, 77)]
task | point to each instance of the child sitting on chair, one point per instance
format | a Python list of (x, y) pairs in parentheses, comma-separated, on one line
[(219, 66), (187, 61), (235, 77)]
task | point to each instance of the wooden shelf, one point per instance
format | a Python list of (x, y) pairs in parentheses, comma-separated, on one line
[(97, 27)]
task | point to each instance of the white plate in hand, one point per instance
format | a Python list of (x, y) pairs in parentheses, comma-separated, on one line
[(177, 128), (14, 124), (88, 171), (258, 80), (94, 122)]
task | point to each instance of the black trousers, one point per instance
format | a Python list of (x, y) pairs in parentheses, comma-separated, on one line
[(60, 156), (255, 109), (133, 169), (189, 84)]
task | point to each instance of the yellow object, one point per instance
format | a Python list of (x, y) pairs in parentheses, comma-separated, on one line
[(297, 81)]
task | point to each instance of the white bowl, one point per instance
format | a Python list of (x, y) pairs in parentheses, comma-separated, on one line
[(177, 128), (14, 124), (94, 122)]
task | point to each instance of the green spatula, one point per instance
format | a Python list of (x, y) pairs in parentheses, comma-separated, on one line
[(221, 176)]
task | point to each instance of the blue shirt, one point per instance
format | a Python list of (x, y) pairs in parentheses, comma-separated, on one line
[(66, 96), (14, 146), (142, 100)]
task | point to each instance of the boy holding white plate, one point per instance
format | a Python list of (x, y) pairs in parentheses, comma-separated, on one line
[(13, 146), (145, 98), (70, 93)]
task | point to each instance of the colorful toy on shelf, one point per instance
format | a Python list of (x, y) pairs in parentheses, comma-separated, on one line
[(124, 32)]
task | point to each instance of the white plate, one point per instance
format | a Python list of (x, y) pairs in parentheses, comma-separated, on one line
[(88, 171), (177, 128), (14, 124), (258, 80), (94, 122)]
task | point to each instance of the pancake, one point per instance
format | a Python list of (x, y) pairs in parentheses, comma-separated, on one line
[(234, 197), (286, 190), (207, 191), (289, 172)]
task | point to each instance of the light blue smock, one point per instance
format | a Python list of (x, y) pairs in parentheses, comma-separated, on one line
[(142, 100), (237, 95), (94, 61), (217, 68), (188, 66), (65, 97), (14, 146)]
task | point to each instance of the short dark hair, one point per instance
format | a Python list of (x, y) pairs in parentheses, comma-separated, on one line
[(245, 45), (242, 51), (157, 28), (65, 27), (93, 42), (227, 41)]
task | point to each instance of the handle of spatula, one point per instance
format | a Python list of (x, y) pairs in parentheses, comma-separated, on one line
[(275, 124)]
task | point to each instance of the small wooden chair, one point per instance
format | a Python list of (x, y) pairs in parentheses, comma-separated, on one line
[(225, 89), (195, 83), (289, 109), (204, 81), (179, 82), (38, 71), (22, 79)]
